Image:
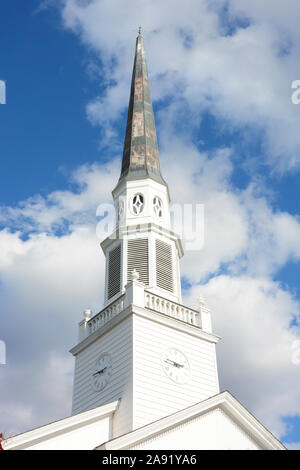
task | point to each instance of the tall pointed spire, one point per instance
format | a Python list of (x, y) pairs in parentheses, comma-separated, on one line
[(140, 155)]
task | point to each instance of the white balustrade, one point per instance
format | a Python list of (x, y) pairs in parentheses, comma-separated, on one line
[(172, 309), (105, 315), (151, 302)]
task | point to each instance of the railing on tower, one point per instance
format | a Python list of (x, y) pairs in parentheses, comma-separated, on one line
[(172, 309), (135, 294)]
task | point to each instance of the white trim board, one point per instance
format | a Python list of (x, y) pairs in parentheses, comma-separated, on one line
[(223, 400)]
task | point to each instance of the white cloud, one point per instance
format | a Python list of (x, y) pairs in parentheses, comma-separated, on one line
[(91, 185), (36, 392), (243, 76), (47, 280), (256, 240), (255, 356), (51, 266)]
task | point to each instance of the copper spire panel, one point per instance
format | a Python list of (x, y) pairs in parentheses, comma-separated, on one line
[(140, 155)]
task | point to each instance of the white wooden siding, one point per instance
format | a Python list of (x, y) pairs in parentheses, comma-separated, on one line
[(136, 345), (118, 343), (214, 430), (155, 395)]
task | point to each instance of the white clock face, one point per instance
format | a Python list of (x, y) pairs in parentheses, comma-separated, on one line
[(176, 365), (101, 372)]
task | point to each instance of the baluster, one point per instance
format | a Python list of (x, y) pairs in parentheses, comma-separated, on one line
[(186, 316)]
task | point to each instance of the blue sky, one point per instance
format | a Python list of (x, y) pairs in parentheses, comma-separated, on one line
[(221, 85), (46, 83)]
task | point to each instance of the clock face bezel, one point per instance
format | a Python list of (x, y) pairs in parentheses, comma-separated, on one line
[(107, 364), (168, 368)]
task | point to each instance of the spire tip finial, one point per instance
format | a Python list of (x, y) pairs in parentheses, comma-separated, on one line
[(140, 30)]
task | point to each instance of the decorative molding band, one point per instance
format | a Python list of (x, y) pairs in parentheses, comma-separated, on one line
[(138, 297)]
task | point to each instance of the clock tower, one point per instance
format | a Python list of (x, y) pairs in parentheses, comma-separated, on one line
[(144, 348)]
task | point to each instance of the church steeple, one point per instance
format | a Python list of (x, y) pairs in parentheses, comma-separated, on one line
[(144, 346), (140, 154)]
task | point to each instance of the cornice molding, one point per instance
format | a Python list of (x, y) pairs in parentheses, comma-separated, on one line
[(150, 315)]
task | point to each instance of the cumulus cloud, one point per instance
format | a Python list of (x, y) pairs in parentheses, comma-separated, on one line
[(236, 60), (229, 58), (256, 239), (254, 316), (48, 275), (48, 278), (91, 185)]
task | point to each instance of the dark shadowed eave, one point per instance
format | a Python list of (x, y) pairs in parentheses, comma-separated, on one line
[(140, 154)]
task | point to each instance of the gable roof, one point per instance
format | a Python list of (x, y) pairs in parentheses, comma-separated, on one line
[(225, 401), (62, 426)]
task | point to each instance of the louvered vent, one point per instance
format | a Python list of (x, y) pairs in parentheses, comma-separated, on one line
[(114, 271), (138, 259), (164, 266)]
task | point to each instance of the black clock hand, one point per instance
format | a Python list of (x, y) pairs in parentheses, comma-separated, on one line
[(100, 371), (176, 364), (173, 363), (168, 361)]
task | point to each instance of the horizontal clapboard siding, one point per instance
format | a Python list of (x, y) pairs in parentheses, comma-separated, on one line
[(155, 394), (138, 259), (118, 343), (164, 266), (212, 429)]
